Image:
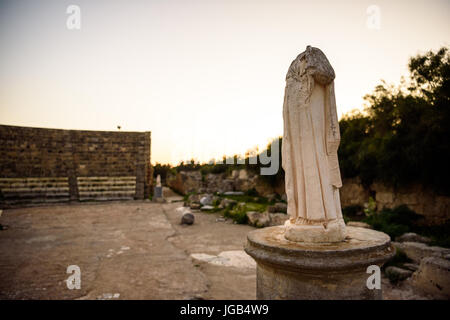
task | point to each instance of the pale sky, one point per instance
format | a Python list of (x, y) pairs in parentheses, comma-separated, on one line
[(206, 77)]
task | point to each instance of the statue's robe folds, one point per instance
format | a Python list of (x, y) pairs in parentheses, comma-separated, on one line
[(310, 141)]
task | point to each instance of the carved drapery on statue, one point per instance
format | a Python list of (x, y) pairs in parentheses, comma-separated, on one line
[(310, 143)]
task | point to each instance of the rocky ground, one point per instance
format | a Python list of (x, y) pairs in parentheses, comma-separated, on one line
[(130, 250)]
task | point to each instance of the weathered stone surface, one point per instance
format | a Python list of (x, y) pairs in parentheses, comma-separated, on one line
[(193, 181), (233, 193), (228, 203), (234, 258), (187, 218), (309, 151), (411, 266), (359, 224), (194, 198), (243, 174), (353, 193), (433, 277), (157, 192), (434, 208), (171, 196), (185, 182), (159, 200), (295, 270), (207, 200), (278, 207), (258, 219), (195, 206), (319, 233), (277, 219), (412, 237), (417, 251), (397, 274), (74, 154), (137, 249)]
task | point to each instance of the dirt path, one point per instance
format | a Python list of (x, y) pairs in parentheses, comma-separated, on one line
[(125, 250)]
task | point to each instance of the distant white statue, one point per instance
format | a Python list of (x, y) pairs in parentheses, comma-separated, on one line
[(158, 181), (309, 151)]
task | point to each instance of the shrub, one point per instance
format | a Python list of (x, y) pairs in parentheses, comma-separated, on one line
[(238, 214), (394, 222)]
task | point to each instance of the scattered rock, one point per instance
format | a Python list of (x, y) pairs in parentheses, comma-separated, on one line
[(411, 266), (416, 251), (206, 208), (433, 277), (359, 224), (234, 258), (258, 219), (228, 203), (187, 218), (195, 206), (278, 207), (412, 237), (234, 193), (107, 296), (278, 219), (447, 256), (194, 198), (182, 210), (397, 274), (207, 200), (243, 175)]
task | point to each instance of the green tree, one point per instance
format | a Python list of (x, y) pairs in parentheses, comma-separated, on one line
[(402, 136)]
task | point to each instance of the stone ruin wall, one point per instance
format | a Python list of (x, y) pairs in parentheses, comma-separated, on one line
[(435, 208), (53, 165)]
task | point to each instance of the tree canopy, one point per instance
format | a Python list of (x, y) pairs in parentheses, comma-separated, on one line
[(402, 137)]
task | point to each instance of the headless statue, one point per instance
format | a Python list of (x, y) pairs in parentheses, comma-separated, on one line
[(309, 151)]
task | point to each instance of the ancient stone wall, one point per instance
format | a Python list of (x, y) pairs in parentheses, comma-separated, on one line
[(51, 163), (435, 208)]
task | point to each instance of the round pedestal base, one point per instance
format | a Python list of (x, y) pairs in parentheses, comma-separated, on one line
[(296, 270)]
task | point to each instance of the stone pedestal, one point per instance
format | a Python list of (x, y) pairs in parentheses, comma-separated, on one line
[(157, 192), (296, 270)]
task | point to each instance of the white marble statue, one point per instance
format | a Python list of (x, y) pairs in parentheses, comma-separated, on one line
[(158, 181), (309, 151)]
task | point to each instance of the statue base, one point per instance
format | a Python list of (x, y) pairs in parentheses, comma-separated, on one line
[(334, 231), (320, 271)]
